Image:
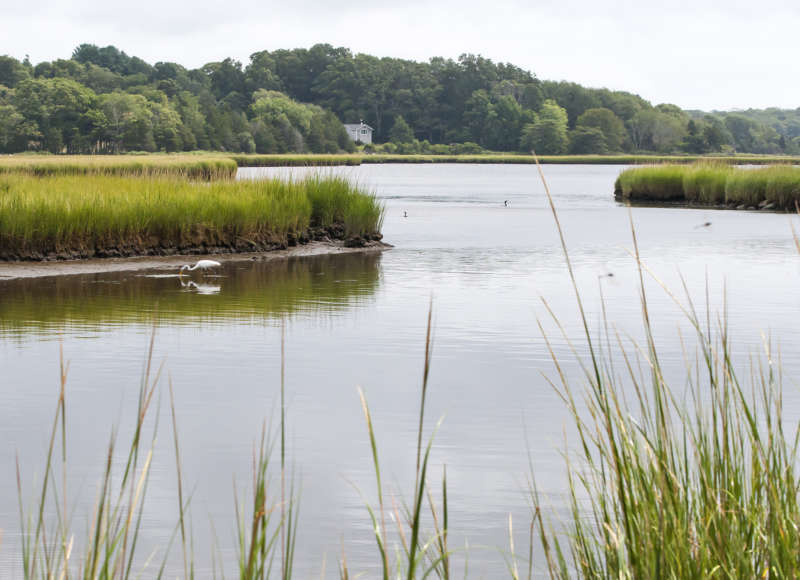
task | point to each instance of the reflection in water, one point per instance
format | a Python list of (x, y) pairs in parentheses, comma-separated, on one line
[(488, 267), (203, 288), (242, 291)]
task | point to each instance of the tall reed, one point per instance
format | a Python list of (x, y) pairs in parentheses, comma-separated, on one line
[(51, 546), (418, 556), (690, 481)]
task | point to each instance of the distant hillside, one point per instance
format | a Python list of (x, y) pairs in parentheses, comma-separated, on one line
[(103, 101)]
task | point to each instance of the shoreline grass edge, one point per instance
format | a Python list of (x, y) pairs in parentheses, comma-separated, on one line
[(776, 187), (97, 216)]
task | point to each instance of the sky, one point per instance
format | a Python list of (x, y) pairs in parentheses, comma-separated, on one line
[(703, 54)]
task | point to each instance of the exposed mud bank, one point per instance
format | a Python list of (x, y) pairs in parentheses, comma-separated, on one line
[(763, 206), (194, 243), (34, 269)]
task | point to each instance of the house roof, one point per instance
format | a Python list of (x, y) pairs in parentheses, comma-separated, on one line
[(358, 126)]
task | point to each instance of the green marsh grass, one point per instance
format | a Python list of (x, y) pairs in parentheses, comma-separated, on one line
[(748, 187), (421, 553), (656, 182), (695, 480), (712, 183), (217, 165), (89, 215), (705, 183), (206, 167), (333, 202), (783, 186), (51, 547)]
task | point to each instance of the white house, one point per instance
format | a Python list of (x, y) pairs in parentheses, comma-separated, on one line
[(360, 132)]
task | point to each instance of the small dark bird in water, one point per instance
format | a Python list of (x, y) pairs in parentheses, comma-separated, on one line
[(703, 225), (405, 213), (505, 203)]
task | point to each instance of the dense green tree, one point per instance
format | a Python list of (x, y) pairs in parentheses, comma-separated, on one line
[(547, 135), (128, 123), (574, 98), (103, 100), (57, 109), (610, 126), (587, 140), (401, 132), (226, 77), (12, 71), (10, 124), (260, 73), (657, 130)]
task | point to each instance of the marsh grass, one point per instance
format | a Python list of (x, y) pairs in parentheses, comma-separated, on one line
[(206, 167), (696, 480), (692, 481), (705, 182), (90, 215), (712, 183), (656, 182), (51, 547), (217, 165), (333, 202)]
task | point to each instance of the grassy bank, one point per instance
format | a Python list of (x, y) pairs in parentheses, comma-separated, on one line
[(774, 187), (498, 158), (205, 167), (107, 216), (215, 165)]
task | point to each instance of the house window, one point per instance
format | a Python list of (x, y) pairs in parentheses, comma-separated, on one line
[(363, 131)]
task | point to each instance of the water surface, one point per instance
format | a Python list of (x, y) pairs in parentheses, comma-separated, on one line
[(359, 321)]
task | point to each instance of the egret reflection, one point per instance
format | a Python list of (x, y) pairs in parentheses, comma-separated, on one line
[(203, 288)]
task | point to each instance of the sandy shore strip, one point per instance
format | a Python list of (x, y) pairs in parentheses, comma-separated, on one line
[(13, 270)]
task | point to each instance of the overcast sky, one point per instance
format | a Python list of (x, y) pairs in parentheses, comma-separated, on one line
[(697, 54)]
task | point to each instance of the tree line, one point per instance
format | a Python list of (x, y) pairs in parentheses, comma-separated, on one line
[(103, 101)]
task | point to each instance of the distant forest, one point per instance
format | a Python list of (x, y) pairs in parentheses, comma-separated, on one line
[(103, 101)]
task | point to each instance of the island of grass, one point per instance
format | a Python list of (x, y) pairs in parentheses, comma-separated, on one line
[(774, 188), (94, 216)]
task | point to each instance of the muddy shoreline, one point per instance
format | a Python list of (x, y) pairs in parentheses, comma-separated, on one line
[(645, 202), (33, 269)]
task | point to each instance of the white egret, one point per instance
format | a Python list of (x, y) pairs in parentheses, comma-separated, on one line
[(201, 264)]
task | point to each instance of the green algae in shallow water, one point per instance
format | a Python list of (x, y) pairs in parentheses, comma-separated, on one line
[(103, 215)]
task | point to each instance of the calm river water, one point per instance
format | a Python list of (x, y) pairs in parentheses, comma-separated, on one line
[(359, 321)]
